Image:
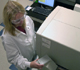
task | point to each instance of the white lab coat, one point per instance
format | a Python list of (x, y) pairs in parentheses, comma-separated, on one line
[(20, 49)]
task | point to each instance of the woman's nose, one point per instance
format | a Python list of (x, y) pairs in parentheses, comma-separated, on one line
[(21, 21)]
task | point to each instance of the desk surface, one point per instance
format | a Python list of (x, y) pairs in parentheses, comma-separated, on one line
[(36, 15)]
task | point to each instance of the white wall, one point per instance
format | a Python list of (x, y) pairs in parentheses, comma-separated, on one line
[(25, 2), (2, 4)]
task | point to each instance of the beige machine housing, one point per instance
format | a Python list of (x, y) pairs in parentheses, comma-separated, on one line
[(59, 38)]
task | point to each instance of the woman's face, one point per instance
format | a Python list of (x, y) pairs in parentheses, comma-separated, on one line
[(18, 20)]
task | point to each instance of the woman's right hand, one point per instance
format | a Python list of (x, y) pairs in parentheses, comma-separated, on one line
[(34, 64)]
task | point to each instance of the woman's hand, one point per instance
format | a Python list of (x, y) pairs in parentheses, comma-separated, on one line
[(34, 64)]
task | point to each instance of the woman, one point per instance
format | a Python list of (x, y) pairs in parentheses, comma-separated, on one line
[(18, 37)]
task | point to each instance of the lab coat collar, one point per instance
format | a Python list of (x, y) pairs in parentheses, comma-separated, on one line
[(17, 32)]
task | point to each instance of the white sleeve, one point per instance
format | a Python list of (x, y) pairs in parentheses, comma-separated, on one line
[(14, 57), (31, 21), (32, 25)]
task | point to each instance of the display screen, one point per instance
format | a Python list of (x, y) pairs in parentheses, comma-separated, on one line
[(47, 2)]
